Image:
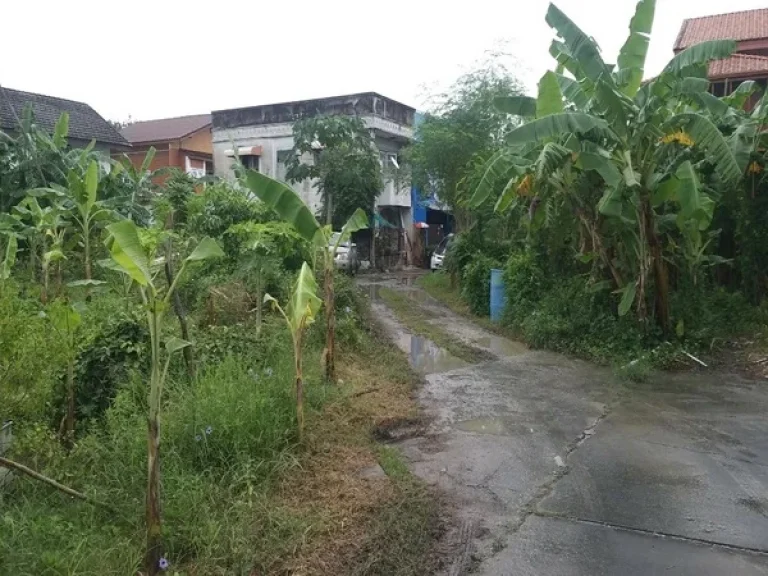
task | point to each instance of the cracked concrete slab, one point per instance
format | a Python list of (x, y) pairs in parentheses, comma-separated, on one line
[(664, 463), (556, 547), (613, 468)]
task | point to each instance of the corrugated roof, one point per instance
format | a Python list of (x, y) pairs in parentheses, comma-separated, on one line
[(165, 128), (746, 25), (84, 122), (738, 65)]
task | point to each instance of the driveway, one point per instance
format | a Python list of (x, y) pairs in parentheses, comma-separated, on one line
[(555, 467)]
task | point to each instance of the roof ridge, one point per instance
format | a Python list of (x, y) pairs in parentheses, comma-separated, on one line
[(170, 118), (47, 96), (736, 13)]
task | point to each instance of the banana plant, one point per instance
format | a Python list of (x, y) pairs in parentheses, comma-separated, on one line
[(299, 314), (66, 319), (136, 260), (9, 259), (46, 234), (291, 208), (605, 124)]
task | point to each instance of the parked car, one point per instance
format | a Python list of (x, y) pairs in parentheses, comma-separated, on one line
[(436, 262), (346, 254)]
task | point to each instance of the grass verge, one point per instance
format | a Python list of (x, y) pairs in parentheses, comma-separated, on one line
[(241, 495), (417, 319)]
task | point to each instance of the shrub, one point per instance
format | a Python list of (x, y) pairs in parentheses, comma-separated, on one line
[(32, 356), (524, 283), (119, 348), (476, 284), (220, 206)]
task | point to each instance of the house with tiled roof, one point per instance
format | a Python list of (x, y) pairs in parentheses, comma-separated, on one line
[(750, 62), (85, 124), (183, 142)]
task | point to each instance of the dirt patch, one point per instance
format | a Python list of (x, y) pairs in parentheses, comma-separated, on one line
[(362, 523)]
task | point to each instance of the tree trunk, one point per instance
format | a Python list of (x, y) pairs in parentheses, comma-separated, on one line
[(87, 244), (154, 550), (259, 298), (59, 279), (178, 308), (69, 429), (299, 392), (87, 249), (153, 518), (660, 273), (330, 333), (44, 291)]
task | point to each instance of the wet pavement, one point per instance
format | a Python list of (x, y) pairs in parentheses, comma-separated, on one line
[(555, 467)]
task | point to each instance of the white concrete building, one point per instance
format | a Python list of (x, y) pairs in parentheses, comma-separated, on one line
[(262, 136)]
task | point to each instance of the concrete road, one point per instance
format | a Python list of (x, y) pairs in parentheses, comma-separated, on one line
[(556, 468)]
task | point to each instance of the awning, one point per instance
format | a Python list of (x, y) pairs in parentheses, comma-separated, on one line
[(245, 151)]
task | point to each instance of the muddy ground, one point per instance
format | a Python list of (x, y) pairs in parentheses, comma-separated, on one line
[(555, 467)]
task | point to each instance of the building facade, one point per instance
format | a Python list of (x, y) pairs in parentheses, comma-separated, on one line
[(184, 143), (750, 62), (262, 137)]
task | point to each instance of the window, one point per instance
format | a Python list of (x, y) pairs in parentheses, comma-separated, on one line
[(209, 168), (251, 162), (718, 89)]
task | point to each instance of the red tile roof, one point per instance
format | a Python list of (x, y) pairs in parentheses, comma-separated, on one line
[(165, 128), (739, 65), (747, 25)]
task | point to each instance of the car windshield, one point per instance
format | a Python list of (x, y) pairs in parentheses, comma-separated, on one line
[(440, 250), (335, 238)]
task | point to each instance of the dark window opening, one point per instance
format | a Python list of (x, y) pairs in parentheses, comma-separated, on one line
[(251, 162)]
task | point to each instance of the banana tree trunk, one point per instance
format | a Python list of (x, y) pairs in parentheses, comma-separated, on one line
[(259, 298), (299, 389), (154, 550), (660, 272), (330, 332), (69, 428), (178, 309)]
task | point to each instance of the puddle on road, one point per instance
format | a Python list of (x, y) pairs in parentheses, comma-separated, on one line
[(426, 357), (494, 427), (374, 292), (483, 426), (501, 346)]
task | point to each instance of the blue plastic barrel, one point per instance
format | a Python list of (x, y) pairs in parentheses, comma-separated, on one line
[(498, 295)]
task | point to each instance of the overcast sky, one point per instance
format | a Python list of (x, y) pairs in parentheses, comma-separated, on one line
[(156, 58)]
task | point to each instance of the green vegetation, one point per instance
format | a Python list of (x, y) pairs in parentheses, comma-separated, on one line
[(625, 215), (336, 151), (419, 321), (193, 463)]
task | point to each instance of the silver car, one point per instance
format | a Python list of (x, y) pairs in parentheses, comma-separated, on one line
[(346, 254)]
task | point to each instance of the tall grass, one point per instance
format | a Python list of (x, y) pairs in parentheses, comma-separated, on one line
[(226, 437)]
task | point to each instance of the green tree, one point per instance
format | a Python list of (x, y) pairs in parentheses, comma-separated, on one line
[(338, 153), (463, 125), (634, 141)]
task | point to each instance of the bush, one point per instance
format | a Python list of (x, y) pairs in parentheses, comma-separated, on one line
[(32, 356), (476, 284), (220, 206), (119, 348), (524, 283)]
